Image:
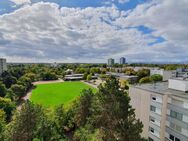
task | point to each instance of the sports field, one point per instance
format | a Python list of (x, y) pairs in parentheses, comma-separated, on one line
[(54, 94)]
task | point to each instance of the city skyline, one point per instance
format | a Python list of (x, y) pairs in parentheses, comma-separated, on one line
[(75, 30)]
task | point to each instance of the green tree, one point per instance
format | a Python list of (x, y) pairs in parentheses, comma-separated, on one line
[(19, 90), (83, 107), (113, 114), (2, 124), (143, 73), (3, 90), (89, 77), (24, 123), (145, 80), (156, 77), (7, 106), (9, 80)]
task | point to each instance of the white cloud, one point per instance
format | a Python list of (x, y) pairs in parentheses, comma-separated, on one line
[(123, 1), (20, 2), (44, 31)]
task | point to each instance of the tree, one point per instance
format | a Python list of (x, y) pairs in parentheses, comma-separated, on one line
[(9, 80), (49, 76), (89, 77), (113, 114), (2, 124), (19, 90), (7, 106), (25, 81), (24, 123), (85, 76), (83, 107), (143, 73), (3, 90), (156, 77), (145, 80)]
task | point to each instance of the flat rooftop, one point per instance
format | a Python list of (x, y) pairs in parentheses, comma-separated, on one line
[(161, 88)]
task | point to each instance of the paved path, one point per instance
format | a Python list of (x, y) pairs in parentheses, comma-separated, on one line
[(90, 84)]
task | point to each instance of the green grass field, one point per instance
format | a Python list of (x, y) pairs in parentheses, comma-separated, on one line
[(50, 95)]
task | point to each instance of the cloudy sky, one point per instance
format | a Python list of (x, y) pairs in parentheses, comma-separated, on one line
[(94, 30)]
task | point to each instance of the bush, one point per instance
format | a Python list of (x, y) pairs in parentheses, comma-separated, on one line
[(145, 80), (156, 77)]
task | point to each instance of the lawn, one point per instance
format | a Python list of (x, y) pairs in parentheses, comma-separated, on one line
[(50, 95)]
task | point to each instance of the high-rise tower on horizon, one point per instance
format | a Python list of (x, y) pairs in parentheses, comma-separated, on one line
[(122, 60), (111, 61), (3, 65)]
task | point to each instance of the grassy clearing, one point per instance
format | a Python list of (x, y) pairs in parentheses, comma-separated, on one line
[(50, 95)]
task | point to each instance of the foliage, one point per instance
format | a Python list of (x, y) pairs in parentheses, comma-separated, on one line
[(7, 106), (2, 124), (156, 77), (89, 77), (145, 80), (143, 73), (3, 90), (49, 76), (19, 90), (113, 115)]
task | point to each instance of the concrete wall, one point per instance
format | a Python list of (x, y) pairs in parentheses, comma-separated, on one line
[(176, 84), (140, 100)]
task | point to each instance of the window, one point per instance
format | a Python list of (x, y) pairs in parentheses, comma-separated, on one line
[(175, 127), (172, 138), (151, 129), (176, 115), (152, 108), (152, 119), (176, 139), (154, 98), (150, 139)]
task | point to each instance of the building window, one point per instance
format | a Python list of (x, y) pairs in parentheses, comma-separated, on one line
[(152, 119), (154, 98), (175, 127), (151, 129), (152, 108), (176, 139), (172, 138), (176, 115)]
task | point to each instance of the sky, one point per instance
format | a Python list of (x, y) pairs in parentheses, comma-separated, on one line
[(91, 31)]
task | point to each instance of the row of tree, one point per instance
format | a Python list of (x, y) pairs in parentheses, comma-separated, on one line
[(104, 116)]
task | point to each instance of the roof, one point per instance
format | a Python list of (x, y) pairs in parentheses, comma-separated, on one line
[(161, 88)]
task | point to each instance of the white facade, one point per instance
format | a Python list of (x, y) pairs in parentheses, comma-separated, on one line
[(177, 84)]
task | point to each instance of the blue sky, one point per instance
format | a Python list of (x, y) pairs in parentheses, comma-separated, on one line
[(75, 30)]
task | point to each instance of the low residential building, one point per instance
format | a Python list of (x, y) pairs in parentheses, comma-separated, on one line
[(72, 77), (164, 73), (163, 109), (3, 65), (121, 76)]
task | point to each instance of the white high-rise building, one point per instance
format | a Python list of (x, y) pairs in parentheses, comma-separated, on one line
[(3, 65)]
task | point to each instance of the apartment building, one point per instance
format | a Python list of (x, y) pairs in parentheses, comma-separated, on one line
[(122, 60), (3, 65), (163, 109), (111, 61)]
